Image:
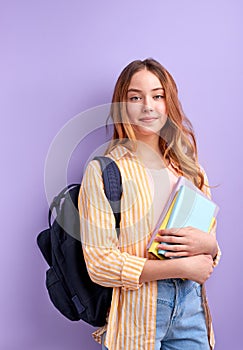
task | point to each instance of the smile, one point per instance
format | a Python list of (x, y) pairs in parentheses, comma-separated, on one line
[(148, 119)]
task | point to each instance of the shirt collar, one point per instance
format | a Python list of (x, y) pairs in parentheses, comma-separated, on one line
[(121, 151)]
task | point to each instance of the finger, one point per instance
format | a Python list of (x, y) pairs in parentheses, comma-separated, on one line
[(170, 239), (172, 247), (176, 254), (166, 237), (171, 231)]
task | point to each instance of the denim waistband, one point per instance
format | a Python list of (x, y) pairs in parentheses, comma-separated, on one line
[(169, 288), (179, 281)]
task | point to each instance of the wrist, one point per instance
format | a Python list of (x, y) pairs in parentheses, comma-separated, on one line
[(162, 269), (213, 247), (177, 267)]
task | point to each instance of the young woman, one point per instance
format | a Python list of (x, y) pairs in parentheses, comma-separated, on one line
[(156, 304)]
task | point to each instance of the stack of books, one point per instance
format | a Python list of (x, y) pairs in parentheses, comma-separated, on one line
[(187, 206)]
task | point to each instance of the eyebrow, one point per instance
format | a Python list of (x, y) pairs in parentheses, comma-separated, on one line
[(137, 90)]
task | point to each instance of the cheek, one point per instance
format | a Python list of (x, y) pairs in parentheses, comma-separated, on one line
[(162, 109), (133, 110), (163, 119)]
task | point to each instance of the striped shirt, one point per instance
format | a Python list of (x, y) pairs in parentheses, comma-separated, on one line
[(119, 263)]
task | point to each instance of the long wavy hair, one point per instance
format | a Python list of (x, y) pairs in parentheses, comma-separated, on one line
[(177, 140)]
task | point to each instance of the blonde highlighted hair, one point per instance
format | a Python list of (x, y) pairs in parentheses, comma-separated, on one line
[(177, 140)]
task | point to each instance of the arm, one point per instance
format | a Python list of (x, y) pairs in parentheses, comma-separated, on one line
[(197, 268), (106, 264)]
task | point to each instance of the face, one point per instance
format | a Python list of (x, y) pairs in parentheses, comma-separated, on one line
[(146, 104)]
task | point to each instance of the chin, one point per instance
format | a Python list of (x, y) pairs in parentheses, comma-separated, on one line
[(146, 131)]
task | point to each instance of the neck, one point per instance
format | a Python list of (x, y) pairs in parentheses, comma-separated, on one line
[(149, 141), (149, 153)]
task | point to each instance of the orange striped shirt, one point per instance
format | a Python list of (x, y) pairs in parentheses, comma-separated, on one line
[(119, 263)]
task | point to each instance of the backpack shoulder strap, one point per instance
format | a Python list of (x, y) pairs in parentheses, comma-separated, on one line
[(112, 186)]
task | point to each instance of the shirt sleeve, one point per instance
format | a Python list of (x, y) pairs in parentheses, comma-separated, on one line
[(206, 190), (106, 264)]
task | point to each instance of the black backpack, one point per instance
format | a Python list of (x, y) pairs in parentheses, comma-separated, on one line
[(68, 283)]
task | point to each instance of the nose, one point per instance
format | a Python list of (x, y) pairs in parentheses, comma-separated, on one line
[(147, 107)]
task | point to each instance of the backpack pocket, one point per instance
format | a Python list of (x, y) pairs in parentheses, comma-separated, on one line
[(59, 295)]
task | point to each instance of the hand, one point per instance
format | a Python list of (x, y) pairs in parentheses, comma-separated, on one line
[(197, 268), (186, 241)]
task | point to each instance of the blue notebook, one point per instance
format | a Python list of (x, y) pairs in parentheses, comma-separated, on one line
[(191, 208)]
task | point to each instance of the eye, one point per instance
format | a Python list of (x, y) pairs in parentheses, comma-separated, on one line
[(159, 97), (135, 98)]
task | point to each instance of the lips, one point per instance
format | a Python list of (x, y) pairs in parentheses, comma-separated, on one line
[(148, 119)]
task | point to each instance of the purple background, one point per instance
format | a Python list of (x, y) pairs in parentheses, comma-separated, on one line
[(59, 58)]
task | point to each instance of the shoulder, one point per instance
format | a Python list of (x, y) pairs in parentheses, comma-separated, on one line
[(92, 173)]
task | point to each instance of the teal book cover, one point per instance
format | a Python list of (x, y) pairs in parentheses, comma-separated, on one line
[(192, 208)]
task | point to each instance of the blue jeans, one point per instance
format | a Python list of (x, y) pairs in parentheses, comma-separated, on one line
[(180, 320), (103, 347)]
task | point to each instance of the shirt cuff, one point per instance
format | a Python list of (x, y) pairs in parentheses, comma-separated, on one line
[(131, 272)]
